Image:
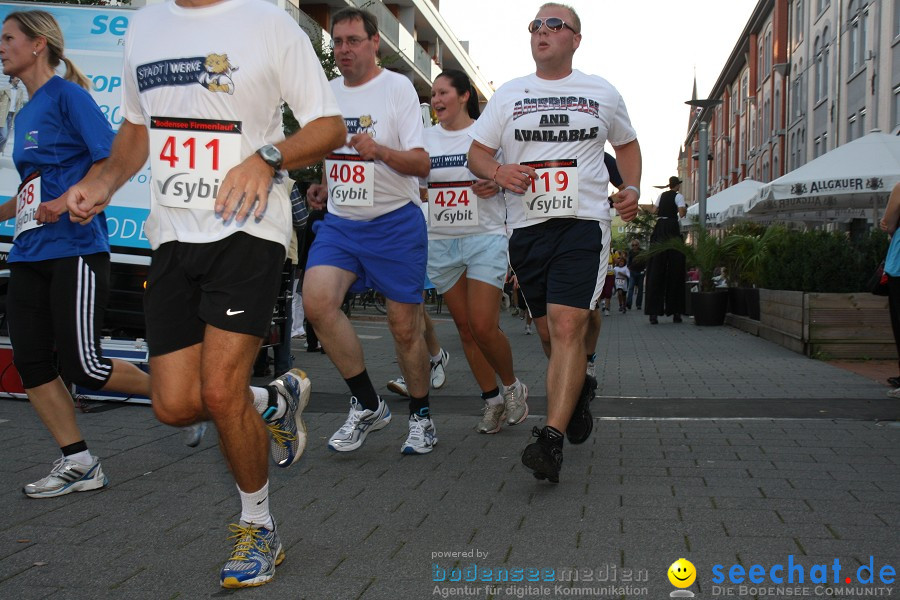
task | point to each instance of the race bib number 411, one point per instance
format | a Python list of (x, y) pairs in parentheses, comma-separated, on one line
[(189, 159), (554, 192)]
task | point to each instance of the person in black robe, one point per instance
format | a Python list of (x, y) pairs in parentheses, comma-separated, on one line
[(666, 271)]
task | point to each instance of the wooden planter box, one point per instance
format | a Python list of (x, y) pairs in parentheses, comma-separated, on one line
[(847, 326)]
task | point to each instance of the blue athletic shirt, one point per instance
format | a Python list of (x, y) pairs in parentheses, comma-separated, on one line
[(61, 133)]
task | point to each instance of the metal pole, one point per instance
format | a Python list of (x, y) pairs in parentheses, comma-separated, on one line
[(701, 184)]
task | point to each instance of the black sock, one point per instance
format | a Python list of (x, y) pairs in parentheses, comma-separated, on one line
[(591, 357), (74, 448), (419, 406), (361, 387), (491, 394), (553, 435)]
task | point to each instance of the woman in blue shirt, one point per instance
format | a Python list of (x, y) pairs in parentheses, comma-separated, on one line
[(59, 270)]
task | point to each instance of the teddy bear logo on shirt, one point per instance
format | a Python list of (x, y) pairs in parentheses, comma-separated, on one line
[(217, 74), (367, 125)]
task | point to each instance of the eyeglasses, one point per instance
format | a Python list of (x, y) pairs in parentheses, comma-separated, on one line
[(350, 42), (552, 23)]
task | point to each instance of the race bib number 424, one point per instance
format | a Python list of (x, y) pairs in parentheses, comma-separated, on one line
[(189, 159), (554, 192), (452, 204)]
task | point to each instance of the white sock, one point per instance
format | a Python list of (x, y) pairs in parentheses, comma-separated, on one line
[(255, 507), (261, 402), (495, 400), (84, 457), (437, 357), (515, 384)]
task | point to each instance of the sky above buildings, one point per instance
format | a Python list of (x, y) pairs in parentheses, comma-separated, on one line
[(648, 49)]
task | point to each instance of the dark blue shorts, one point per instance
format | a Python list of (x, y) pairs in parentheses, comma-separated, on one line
[(387, 254)]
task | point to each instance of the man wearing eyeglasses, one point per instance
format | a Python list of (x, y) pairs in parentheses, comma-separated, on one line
[(552, 127), (374, 235)]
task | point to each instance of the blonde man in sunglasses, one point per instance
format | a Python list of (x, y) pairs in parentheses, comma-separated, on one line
[(552, 126)]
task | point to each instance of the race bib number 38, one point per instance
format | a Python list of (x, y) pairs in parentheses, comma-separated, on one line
[(27, 200), (452, 204), (189, 159), (554, 192), (351, 180)]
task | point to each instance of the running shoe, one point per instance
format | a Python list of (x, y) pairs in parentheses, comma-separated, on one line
[(591, 369), (422, 436), (527, 328), (68, 476), (491, 419), (288, 432), (256, 552), (193, 434), (582, 422), (360, 422), (438, 377), (398, 386), (515, 402), (895, 393), (543, 457)]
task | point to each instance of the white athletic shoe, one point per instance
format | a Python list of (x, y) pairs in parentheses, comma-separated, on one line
[(438, 377), (68, 476), (360, 422), (422, 436)]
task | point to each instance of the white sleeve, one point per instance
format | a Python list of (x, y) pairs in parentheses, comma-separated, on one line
[(679, 200), (620, 130), (488, 127), (131, 101), (410, 129), (656, 202), (302, 81)]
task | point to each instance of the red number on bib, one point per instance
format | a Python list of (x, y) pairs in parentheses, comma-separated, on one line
[(562, 180), (464, 198), (214, 146), (168, 152), (190, 144)]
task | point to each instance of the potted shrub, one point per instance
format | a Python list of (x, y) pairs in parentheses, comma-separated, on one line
[(706, 253), (747, 251)]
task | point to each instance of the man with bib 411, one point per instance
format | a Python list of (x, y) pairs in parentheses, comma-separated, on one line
[(551, 127), (373, 235), (203, 101)]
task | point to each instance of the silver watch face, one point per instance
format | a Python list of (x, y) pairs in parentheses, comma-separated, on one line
[(271, 155)]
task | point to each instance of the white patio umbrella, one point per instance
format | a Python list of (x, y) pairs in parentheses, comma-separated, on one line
[(724, 205), (857, 175)]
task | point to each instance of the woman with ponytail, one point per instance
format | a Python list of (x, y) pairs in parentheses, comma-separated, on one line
[(59, 270), (467, 250)]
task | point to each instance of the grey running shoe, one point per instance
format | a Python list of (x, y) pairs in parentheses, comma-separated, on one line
[(68, 476), (360, 422), (493, 416), (256, 552), (193, 434), (422, 436), (543, 457), (398, 386), (289, 431), (515, 403), (438, 377), (591, 369)]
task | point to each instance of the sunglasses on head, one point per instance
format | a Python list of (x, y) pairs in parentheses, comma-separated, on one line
[(552, 24)]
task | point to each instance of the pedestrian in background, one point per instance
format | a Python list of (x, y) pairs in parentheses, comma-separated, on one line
[(666, 271), (636, 281), (12, 99)]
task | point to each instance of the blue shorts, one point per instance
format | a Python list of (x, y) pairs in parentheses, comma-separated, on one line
[(481, 257), (387, 254)]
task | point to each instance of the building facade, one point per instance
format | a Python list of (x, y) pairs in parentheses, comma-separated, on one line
[(804, 77)]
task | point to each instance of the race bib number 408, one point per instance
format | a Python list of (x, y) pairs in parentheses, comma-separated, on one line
[(351, 180), (554, 192), (28, 198), (452, 204), (189, 159)]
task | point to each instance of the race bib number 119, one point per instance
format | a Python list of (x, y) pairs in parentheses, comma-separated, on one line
[(554, 192)]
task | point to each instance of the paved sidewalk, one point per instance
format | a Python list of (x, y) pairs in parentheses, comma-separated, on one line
[(372, 524)]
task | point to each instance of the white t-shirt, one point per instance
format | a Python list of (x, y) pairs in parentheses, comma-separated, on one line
[(622, 276), (210, 97), (567, 121), (387, 108), (451, 213)]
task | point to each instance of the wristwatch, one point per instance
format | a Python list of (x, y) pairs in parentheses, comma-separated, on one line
[(271, 155)]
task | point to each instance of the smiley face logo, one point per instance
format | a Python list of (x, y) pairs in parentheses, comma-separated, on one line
[(682, 573)]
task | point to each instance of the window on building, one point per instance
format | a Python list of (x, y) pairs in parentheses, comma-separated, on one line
[(851, 128), (857, 13), (895, 117), (776, 118), (862, 122), (761, 73), (766, 122), (768, 52), (896, 18), (817, 148), (798, 22), (821, 5), (745, 91), (818, 57)]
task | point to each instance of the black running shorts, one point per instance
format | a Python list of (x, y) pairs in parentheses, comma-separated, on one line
[(230, 284), (560, 261)]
